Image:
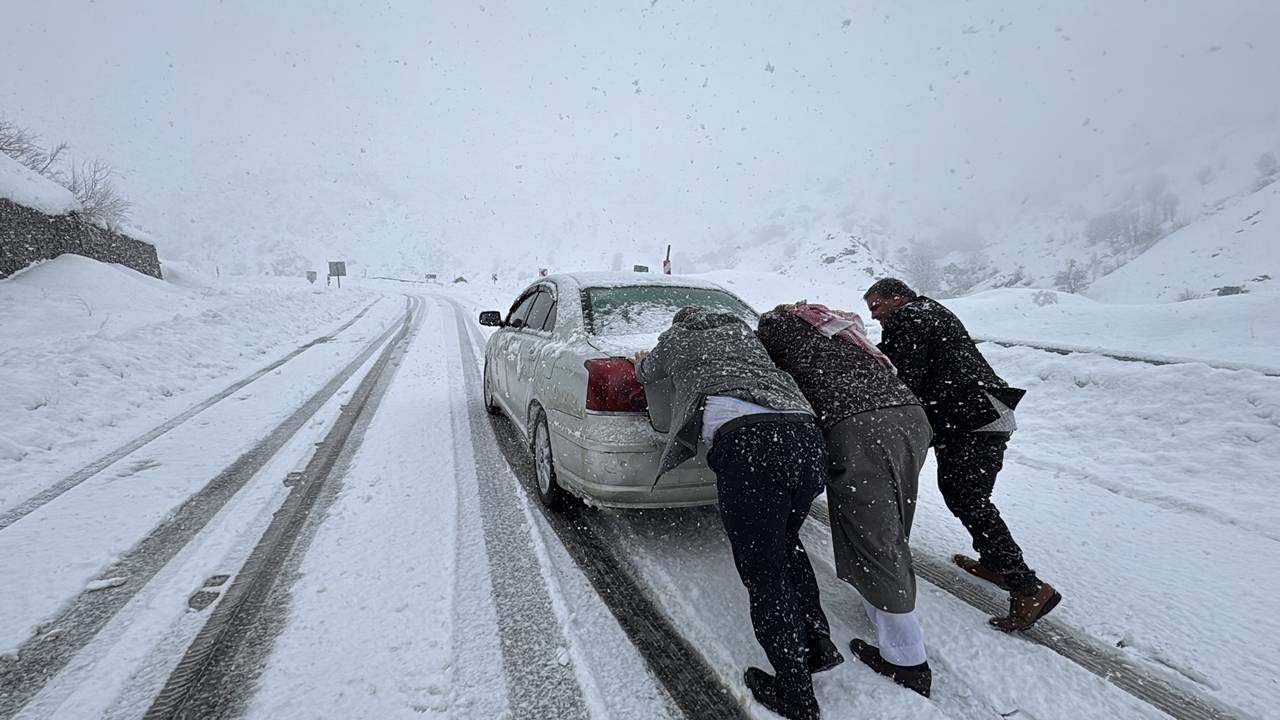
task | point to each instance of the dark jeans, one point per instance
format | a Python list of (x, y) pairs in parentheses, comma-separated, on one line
[(767, 475), (967, 469)]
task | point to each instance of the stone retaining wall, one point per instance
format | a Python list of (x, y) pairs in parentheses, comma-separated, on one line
[(28, 236)]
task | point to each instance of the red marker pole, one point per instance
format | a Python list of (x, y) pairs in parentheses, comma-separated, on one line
[(666, 264)]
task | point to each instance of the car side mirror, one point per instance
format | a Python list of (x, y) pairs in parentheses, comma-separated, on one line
[(491, 318)]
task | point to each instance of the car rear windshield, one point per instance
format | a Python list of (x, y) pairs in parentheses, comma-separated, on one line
[(648, 309)]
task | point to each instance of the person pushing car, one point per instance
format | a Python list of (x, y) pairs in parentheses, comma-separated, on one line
[(770, 461)]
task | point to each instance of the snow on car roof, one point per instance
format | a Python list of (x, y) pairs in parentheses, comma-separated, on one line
[(623, 279)]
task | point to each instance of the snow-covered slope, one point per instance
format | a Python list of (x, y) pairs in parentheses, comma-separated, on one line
[(1239, 246), (25, 187), (828, 242)]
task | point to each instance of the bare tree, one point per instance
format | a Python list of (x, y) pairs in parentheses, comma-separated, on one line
[(24, 146), (1072, 279), (1169, 207), (100, 203), (16, 142)]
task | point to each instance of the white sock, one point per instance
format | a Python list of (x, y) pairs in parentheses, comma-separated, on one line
[(899, 636)]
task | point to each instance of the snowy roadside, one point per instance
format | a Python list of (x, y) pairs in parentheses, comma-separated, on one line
[(1234, 330), (92, 355), (1139, 491)]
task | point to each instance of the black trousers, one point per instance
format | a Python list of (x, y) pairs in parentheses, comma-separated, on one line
[(967, 469), (767, 475)]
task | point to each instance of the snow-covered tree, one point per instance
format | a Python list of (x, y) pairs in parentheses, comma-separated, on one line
[(1073, 278)]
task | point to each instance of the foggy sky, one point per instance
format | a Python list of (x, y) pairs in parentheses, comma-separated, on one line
[(494, 122)]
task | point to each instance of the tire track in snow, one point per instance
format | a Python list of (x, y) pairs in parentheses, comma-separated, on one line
[(1177, 702), (540, 680), (213, 676), (51, 493), (694, 687), (24, 672)]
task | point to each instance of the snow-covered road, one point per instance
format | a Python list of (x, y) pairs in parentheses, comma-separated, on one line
[(425, 581)]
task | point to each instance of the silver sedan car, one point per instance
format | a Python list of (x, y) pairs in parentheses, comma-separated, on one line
[(558, 367)]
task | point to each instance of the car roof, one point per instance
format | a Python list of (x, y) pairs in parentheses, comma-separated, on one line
[(624, 279)]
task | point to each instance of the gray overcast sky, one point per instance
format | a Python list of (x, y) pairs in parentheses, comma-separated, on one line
[(498, 120)]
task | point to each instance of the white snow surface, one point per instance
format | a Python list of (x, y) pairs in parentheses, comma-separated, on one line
[(27, 187), (1144, 493), (92, 354)]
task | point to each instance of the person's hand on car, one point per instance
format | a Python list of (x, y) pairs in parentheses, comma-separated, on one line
[(639, 357)]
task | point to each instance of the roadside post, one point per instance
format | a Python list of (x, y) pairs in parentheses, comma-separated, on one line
[(666, 264)]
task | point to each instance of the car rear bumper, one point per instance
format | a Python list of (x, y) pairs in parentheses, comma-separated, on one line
[(611, 460)]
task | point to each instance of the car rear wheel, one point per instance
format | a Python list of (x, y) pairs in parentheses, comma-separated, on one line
[(489, 403), (549, 491)]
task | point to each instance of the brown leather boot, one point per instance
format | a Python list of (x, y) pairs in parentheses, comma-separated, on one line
[(978, 570), (1026, 609)]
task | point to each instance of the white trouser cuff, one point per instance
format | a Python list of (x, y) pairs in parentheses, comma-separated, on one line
[(898, 635)]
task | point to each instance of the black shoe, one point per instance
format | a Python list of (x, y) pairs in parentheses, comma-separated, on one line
[(914, 677), (765, 689), (823, 655)]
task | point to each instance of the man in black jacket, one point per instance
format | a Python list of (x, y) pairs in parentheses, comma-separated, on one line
[(971, 411), (770, 462)]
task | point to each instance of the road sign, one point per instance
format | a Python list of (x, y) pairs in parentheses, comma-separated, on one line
[(338, 270), (666, 264), (640, 268), (311, 276)]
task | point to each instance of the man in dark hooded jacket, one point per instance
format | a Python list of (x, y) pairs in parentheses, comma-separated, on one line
[(770, 462), (971, 411)]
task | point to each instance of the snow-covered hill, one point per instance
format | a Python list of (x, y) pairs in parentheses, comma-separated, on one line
[(1166, 226), (1236, 249)]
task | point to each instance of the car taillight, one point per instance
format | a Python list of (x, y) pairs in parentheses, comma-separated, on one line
[(612, 386)]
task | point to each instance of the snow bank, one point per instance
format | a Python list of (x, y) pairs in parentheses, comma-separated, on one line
[(92, 354), (1235, 330), (25, 187), (185, 274), (72, 294)]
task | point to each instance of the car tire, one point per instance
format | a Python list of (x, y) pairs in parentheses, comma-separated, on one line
[(489, 403), (544, 467)]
